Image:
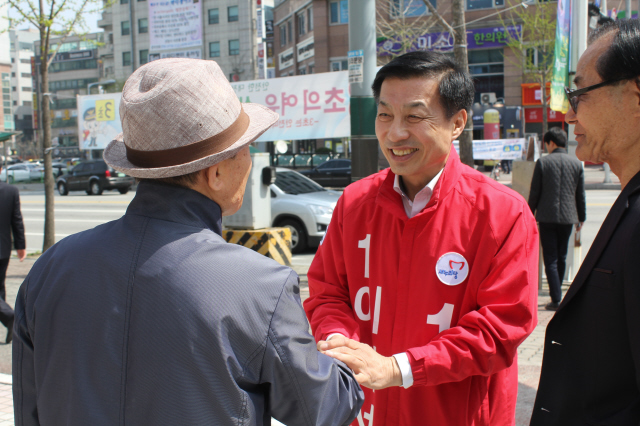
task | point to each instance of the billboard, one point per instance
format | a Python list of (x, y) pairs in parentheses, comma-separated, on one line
[(496, 149), (311, 106), (174, 24), (98, 120)]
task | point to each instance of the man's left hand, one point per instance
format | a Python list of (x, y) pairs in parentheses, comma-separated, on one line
[(370, 369)]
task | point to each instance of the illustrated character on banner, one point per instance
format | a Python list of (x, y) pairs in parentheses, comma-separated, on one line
[(92, 128)]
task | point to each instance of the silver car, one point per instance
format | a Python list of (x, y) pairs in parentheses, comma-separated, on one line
[(303, 206)]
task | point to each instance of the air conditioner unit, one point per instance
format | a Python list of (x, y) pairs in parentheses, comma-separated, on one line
[(487, 98)]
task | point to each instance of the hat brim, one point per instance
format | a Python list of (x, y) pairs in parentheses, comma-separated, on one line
[(261, 119)]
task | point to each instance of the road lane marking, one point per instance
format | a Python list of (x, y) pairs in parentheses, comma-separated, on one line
[(76, 211), (37, 219)]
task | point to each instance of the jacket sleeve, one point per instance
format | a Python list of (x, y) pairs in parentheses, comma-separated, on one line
[(536, 187), (631, 277), (329, 306), (485, 340), (581, 198), (305, 386), (17, 226), (24, 385)]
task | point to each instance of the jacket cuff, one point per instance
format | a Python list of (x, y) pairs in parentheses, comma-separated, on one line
[(418, 370)]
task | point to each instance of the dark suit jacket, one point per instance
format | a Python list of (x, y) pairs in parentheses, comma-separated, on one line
[(591, 364), (153, 319), (10, 220), (557, 189)]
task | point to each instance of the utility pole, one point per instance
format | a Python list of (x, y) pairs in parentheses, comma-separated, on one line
[(362, 36)]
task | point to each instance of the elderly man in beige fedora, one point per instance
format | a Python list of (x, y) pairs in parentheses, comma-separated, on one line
[(153, 319)]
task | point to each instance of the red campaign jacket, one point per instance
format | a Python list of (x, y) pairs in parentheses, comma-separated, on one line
[(455, 287)]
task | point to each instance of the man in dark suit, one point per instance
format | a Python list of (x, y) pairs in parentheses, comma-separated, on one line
[(591, 365), (557, 198), (154, 319), (10, 223)]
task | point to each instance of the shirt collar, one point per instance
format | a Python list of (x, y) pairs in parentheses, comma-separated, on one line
[(421, 199)]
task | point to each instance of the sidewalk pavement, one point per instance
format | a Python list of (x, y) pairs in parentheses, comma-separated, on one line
[(529, 352)]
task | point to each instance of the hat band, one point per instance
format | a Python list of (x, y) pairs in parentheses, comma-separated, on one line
[(192, 152)]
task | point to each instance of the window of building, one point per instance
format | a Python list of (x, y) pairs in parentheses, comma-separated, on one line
[(13, 74), (142, 0), (301, 27), (486, 66), (214, 16), (125, 28), (410, 8), (74, 45), (535, 58), (124, 1), (13, 88), (283, 35), (339, 64), (25, 74), (26, 88), (339, 11), (289, 30), (25, 61), (310, 18), (311, 67), (232, 13), (15, 103), (302, 70), (71, 84), (144, 56), (143, 26), (234, 47), (84, 64), (126, 59), (484, 4), (214, 49)]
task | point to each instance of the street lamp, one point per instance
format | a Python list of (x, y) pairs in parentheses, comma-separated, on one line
[(99, 83)]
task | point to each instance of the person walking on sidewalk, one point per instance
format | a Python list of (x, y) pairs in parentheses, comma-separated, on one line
[(153, 319), (557, 198), (10, 225), (591, 364)]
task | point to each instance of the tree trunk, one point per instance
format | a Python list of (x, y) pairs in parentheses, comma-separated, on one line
[(49, 212), (460, 52)]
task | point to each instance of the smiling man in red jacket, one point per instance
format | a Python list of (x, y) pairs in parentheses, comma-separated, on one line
[(426, 282)]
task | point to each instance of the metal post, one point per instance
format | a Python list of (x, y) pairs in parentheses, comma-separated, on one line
[(362, 36), (607, 173), (627, 9)]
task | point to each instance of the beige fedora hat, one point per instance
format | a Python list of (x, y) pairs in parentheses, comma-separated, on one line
[(180, 116)]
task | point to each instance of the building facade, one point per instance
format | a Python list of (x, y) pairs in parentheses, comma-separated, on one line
[(225, 31)]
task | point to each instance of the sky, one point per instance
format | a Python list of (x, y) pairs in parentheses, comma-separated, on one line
[(90, 18)]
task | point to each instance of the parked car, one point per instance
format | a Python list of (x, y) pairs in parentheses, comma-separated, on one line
[(93, 176), (332, 173), (303, 206), (23, 172), (58, 169)]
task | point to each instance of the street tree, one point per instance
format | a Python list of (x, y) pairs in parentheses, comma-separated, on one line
[(398, 29), (534, 46), (458, 30), (59, 19)]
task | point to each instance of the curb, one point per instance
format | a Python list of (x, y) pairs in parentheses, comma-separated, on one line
[(6, 379)]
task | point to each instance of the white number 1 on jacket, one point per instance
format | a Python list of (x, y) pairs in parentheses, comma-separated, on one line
[(365, 244)]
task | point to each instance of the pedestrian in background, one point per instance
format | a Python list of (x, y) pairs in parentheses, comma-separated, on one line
[(153, 319), (591, 365), (10, 225), (557, 198)]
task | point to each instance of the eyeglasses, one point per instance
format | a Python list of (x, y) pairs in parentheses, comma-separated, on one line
[(572, 95)]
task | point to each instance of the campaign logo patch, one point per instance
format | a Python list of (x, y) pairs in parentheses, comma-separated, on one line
[(452, 268)]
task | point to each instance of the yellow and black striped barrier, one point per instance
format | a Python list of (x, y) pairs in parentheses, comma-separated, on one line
[(271, 242)]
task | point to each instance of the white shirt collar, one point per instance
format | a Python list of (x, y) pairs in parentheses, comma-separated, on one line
[(421, 199)]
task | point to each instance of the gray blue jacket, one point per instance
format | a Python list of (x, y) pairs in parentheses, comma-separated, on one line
[(153, 319)]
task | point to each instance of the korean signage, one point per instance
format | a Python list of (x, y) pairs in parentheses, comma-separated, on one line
[(285, 59), (174, 24), (480, 38), (305, 49), (496, 149), (356, 60), (310, 106), (534, 115), (192, 54), (560, 79), (98, 120), (76, 55)]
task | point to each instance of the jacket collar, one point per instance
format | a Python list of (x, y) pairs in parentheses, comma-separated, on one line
[(161, 201), (392, 201), (602, 238), (559, 151)]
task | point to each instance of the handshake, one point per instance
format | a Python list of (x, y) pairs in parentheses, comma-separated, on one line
[(370, 369)]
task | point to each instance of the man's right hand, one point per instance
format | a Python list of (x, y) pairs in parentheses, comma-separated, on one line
[(22, 254), (579, 226)]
